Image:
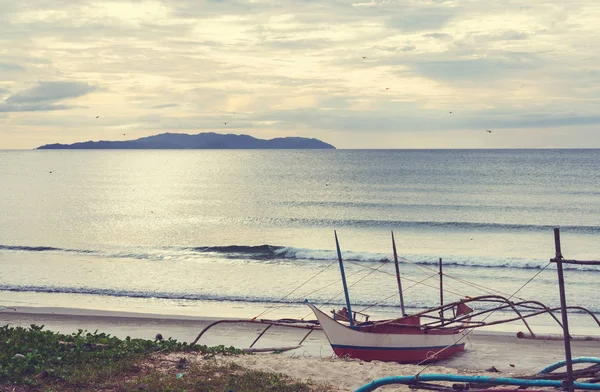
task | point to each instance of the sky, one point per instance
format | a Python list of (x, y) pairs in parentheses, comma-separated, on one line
[(362, 74)]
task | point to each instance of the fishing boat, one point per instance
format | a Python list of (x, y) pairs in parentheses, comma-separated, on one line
[(403, 340), (427, 336), (431, 335)]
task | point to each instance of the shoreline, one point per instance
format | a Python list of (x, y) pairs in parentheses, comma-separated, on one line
[(31, 302), (484, 349)]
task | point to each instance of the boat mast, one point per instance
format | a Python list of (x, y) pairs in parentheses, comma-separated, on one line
[(398, 276), (339, 252)]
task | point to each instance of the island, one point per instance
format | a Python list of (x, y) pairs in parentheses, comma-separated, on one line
[(207, 140)]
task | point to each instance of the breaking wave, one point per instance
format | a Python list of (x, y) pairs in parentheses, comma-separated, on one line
[(283, 254), (42, 249)]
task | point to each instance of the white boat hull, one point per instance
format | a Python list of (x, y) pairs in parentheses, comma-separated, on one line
[(414, 346)]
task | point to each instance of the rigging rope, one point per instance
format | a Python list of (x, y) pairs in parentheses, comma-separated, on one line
[(405, 278), (486, 290), (422, 268), (275, 306), (472, 329), (342, 292), (367, 275), (403, 291), (293, 291)]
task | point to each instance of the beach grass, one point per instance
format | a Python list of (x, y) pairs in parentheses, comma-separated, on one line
[(37, 359)]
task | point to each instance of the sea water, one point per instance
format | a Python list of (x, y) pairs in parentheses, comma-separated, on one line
[(246, 233)]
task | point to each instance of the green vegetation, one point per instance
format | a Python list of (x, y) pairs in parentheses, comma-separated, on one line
[(35, 359)]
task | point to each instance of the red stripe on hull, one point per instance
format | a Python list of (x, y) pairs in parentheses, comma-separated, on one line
[(400, 356)]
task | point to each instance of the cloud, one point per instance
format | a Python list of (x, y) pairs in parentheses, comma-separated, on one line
[(535, 120), (50, 92), (44, 96), (408, 120), (420, 20), (509, 35), (12, 108), (9, 67), (442, 36), (165, 106), (297, 44), (192, 123), (475, 69), (190, 9)]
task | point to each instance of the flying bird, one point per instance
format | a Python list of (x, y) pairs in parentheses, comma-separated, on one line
[(97, 116), (450, 112), (489, 130), (50, 172), (364, 57), (225, 123), (387, 88), (124, 134)]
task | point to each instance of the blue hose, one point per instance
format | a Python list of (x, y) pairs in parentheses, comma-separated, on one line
[(486, 379), (475, 379), (560, 364)]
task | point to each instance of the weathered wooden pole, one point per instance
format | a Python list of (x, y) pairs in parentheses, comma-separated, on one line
[(441, 290), (563, 305)]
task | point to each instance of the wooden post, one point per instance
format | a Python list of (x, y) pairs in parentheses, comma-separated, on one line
[(339, 252), (398, 276), (441, 290), (563, 305)]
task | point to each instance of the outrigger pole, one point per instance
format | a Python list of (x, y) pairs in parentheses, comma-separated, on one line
[(398, 276), (339, 252)]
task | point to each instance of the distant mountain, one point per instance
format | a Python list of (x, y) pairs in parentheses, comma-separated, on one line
[(208, 140)]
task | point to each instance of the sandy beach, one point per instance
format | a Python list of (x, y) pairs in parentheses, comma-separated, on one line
[(314, 359)]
